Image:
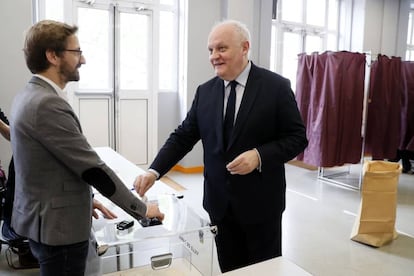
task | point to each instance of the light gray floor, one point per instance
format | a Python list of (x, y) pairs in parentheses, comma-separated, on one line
[(317, 225), (318, 221)]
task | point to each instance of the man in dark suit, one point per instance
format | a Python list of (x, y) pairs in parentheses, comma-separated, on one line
[(244, 175), (54, 163)]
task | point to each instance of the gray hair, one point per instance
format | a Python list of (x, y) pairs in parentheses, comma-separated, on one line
[(240, 27)]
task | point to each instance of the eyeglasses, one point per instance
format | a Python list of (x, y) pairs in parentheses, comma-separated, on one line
[(74, 50)]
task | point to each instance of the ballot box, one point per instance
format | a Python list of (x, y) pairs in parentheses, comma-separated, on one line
[(183, 244)]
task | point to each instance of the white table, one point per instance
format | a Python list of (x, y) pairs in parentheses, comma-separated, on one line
[(127, 171)]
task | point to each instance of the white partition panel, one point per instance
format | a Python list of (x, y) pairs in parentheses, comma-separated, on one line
[(94, 114), (133, 130)]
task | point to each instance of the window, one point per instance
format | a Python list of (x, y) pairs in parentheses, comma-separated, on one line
[(303, 26), (94, 19), (409, 55), (92, 33)]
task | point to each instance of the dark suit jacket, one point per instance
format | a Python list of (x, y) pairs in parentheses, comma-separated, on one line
[(54, 164), (268, 120)]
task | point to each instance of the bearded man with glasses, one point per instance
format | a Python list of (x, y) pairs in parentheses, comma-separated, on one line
[(54, 163)]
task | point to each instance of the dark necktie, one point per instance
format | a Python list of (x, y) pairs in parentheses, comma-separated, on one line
[(229, 116)]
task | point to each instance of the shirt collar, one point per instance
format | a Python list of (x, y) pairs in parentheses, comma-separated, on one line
[(242, 78), (59, 91)]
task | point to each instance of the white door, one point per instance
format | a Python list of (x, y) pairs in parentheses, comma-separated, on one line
[(114, 98)]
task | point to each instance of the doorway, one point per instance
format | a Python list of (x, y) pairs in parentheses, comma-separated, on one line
[(115, 97)]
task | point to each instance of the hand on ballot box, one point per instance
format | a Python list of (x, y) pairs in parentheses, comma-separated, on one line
[(108, 214), (154, 212)]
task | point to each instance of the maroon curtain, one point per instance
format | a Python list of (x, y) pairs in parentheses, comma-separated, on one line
[(383, 132), (407, 117), (330, 93)]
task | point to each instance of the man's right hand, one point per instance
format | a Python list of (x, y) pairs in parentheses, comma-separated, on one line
[(143, 182), (154, 212)]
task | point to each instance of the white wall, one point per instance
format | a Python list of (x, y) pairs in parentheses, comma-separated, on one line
[(201, 16), (357, 30), (402, 28), (382, 27), (15, 18)]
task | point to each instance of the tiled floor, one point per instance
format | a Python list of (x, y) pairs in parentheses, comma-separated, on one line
[(317, 225)]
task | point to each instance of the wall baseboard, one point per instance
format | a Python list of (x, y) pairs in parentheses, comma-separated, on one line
[(182, 169)]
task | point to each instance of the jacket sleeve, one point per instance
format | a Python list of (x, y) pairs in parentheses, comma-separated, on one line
[(57, 128), (109, 185)]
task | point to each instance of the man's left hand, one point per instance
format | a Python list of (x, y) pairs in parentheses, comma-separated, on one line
[(108, 214), (244, 163)]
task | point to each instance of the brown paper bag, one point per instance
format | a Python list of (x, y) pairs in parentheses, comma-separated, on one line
[(375, 223)]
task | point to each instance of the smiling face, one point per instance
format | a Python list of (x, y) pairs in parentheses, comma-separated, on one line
[(228, 50)]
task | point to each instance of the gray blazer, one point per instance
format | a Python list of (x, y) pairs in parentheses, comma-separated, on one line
[(55, 166)]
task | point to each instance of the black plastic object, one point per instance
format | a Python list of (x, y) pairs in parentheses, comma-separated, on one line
[(125, 224), (145, 222)]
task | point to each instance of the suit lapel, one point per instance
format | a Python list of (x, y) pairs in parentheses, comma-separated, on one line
[(250, 93), (219, 88)]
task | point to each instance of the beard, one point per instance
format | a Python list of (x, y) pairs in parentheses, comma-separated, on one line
[(68, 73)]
